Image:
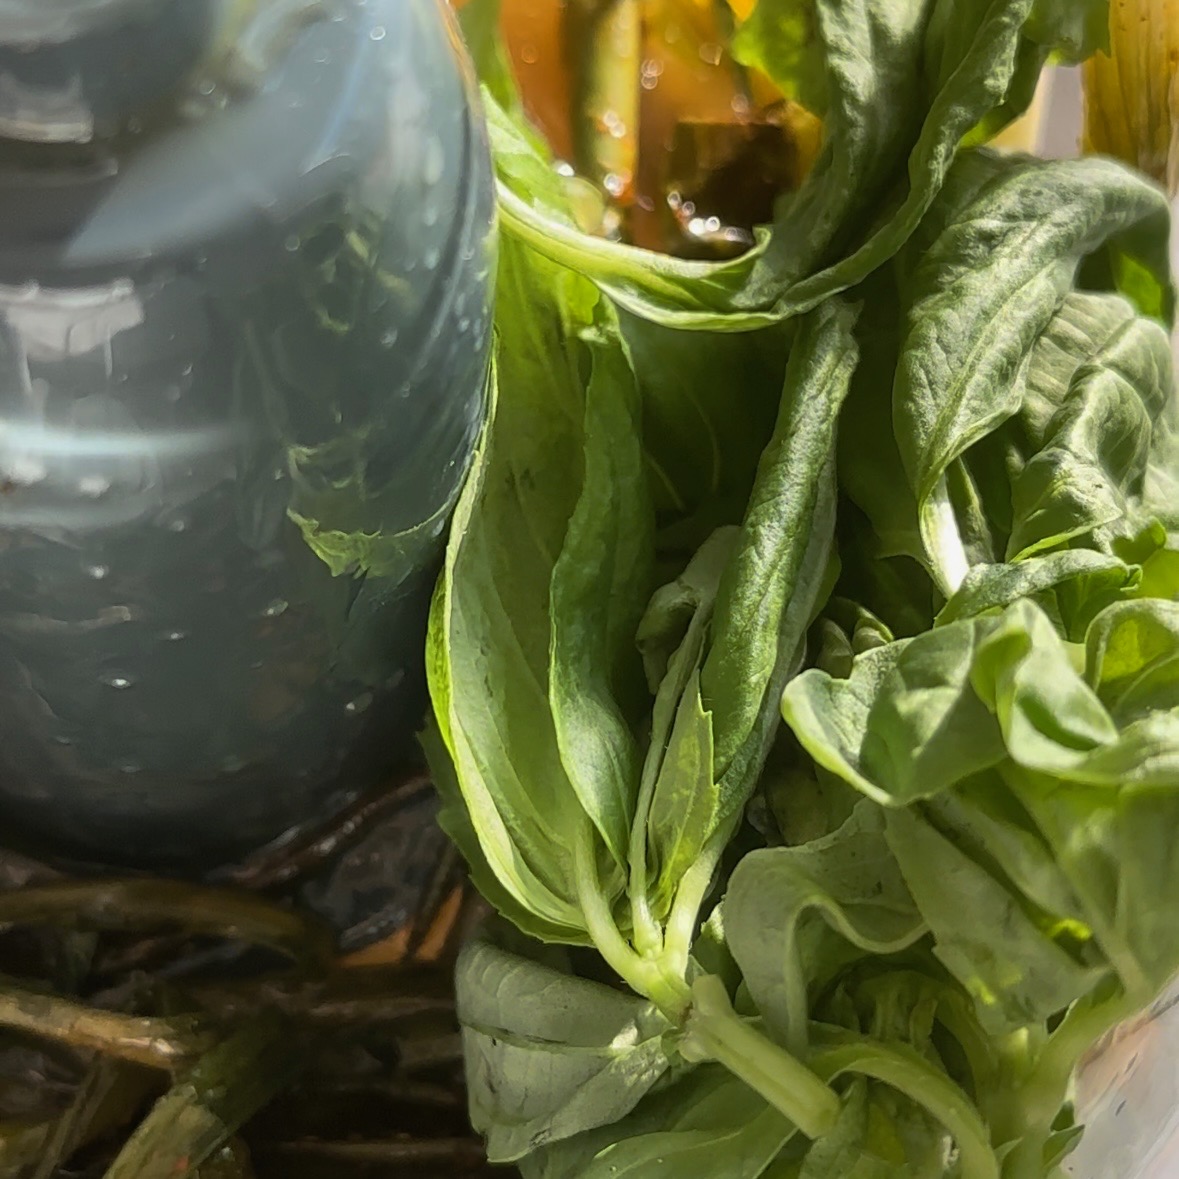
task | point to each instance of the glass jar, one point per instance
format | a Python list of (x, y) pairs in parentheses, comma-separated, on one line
[(245, 259)]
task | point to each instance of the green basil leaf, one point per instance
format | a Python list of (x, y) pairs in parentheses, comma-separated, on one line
[(1073, 586), (1014, 970), (793, 914), (1031, 223), (879, 1136), (600, 585), (985, 820), (455, 818), (937, 90), (709, 405), (784, 42), (678, 770), (1051, 719), (1162, 479), (708, 1124), (491, 620), (1074, 28), (679, 613), (1114, 841), (906, 724), (770, 591), (871, 472), (870, 53), (1084, 326), (549, 1055), (1092, 468), (1132, 659), (685, 800), (904, 1069)]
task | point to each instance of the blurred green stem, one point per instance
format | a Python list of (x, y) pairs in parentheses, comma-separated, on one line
[(154, 1043)]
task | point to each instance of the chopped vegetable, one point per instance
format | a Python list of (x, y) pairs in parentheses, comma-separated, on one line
[(806, 658)]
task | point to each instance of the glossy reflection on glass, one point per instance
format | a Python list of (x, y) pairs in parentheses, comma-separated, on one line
[(243, 339)]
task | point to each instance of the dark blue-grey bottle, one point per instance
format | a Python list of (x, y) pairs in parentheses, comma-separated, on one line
[(245, 258)]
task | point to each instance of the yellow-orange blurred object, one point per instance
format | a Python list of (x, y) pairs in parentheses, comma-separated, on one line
[(1132, 93), (691, 81), (432, 943), (673, 99), (533, 34)]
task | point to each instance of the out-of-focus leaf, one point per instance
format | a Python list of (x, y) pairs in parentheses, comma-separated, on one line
[(208, 1105)]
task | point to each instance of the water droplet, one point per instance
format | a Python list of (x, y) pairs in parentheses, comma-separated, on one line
[(62, 739), (432, 258), (98, 572), (389, 337), (711, 52), (434, 160), (207, 86), (135, 125), (233, 765), (291, 245), (131, 767), (528, 53), (276, 608), (94, 485), (740, 105), (361, 704), (378, 33), (614, 125), (172, 393), (430, 213), (614, 184), (178, 525), (175, 636), (321, 57), (464, 325), (119, 682)]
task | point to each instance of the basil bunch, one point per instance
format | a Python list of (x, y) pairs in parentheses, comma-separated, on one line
[(906, 475)]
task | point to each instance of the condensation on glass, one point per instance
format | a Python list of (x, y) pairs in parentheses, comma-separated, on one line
[(244, 285)]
